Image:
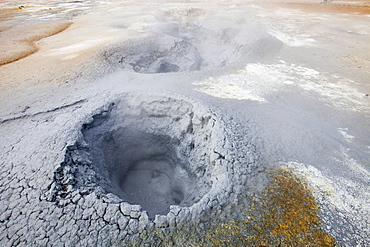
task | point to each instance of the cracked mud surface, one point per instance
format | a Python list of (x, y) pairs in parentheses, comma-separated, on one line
[(181, 142), (185, 123)]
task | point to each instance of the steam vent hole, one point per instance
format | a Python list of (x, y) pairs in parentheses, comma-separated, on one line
[(154, 151), (145, 169)]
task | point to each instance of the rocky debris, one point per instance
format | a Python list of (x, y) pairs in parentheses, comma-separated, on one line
[(161, 221)]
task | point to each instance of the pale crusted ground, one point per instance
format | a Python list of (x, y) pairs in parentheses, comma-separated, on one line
[(289, 80)]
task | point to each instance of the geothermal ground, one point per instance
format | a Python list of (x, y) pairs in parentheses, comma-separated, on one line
[(184, 123)]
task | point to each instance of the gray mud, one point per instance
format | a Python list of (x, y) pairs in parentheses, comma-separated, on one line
[(156, 151), (181, 48), (201, 100)]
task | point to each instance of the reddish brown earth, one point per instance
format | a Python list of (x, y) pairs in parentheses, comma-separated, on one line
[(361, 7), (19, 41)]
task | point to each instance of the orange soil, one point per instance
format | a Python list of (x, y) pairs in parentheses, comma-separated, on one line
[(19, 41), (348, 7)]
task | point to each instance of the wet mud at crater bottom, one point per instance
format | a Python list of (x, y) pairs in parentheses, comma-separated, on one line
[(144, 169)]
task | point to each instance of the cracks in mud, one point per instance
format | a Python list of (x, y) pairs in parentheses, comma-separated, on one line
[(25, 116)]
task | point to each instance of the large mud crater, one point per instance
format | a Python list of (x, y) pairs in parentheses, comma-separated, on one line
[(154, 150), (145, 152)]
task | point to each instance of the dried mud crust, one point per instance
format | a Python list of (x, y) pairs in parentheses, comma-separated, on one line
[(158, 160)]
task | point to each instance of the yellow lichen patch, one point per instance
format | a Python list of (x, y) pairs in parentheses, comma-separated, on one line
[(285, 214)]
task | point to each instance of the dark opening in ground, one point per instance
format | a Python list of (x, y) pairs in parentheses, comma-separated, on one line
[(144, 168)]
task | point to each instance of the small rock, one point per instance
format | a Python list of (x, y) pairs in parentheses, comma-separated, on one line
[(175, 209), (63, 203), (78, 213), (143, 220), (91, 241), (122, 235), (100, 209), (90, 200), (122, 222), (5, 216), (136, 208), (161, 221), (103, 236), (76, 197), (125, 208), (111, 198), (135, 214), (110, 212), (171, 218), (94, 216), (113, 235), (87, 213), (183, 215), (133, 226)]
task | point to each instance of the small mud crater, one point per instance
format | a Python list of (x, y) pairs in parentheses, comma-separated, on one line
[(180, 48), (158, 56)]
